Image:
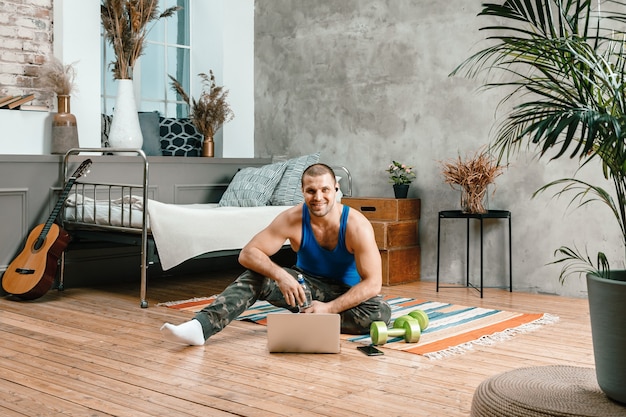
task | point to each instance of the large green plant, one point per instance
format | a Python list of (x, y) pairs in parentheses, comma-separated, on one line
[(562, 63)]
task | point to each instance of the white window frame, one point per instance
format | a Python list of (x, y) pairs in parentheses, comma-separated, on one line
[(223, 40)]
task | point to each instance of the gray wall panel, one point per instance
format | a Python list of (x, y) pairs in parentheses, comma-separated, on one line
[(13, 201)]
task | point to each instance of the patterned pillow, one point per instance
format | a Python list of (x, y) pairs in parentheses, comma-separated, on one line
[(105, 128), (253, 187), (179, 137), (288, 192)]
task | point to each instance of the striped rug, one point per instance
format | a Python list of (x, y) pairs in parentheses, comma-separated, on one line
[(453, 329)]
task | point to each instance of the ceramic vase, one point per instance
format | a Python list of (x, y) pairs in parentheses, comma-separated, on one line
[(125, 129), (208, 147), (64, 127)]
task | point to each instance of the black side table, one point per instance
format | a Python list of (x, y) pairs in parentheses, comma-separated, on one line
[(458, 214)]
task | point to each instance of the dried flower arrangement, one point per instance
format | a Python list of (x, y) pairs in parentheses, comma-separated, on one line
[(472, 176), (400, 174), (125, 24), (58, 78), (211, 110)]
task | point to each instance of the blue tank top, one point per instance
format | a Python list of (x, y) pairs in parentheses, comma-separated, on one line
[(337, 265)]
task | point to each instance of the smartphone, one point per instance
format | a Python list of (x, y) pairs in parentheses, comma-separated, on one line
[(370, 350)]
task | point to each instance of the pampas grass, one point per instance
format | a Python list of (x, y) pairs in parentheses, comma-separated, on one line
[(58, 78), (211, 110), (125, 24), (473, 176)]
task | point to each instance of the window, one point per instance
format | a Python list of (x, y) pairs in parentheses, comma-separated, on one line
[(167, 52)]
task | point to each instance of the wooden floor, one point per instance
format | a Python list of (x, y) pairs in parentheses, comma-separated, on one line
[(94, 352)]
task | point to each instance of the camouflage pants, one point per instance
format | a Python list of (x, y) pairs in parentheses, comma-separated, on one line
[(251, 286)]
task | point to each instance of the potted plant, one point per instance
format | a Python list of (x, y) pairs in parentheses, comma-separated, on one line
[(401, 176), (473, 177), (209, 112), (565, 65)]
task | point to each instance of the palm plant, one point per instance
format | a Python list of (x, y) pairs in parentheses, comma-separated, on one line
[(563, 63)]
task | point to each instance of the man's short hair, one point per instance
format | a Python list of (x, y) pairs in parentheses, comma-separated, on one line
[(316, 170)]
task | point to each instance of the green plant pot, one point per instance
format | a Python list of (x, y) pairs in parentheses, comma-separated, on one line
[(607, 309), (400, 190)]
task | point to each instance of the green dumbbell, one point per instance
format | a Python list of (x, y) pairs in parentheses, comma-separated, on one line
[(405, 326), (399, 322), (422, 317)]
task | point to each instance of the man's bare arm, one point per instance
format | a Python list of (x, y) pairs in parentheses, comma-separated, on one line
[(256, 254)]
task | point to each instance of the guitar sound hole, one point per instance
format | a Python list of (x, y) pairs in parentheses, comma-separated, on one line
[(39, 243)]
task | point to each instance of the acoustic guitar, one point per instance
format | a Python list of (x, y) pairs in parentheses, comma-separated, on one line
[(32, 272)]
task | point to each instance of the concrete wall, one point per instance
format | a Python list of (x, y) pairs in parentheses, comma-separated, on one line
[(366, 82)]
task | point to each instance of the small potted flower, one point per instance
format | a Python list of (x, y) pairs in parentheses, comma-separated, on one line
[(401, 176)]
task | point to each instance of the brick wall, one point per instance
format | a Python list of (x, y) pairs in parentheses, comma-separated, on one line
[(25, 44)]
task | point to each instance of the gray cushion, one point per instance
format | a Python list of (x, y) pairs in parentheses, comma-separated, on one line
[(253, 187), (149, 124), (288, 192)]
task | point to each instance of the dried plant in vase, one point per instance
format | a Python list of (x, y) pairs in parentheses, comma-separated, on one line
[(57, 77), (473, 177), (208, 113), (60, 79), (125, 24)]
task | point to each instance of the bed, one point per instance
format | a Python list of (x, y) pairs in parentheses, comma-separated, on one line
[(168, 234)]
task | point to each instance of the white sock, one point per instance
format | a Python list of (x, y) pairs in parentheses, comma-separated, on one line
[(187, 333)]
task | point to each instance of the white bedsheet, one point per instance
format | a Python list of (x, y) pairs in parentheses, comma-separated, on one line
[(183, 231), (123, 212), (180, 231)]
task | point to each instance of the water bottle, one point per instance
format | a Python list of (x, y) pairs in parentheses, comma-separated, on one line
[(307, 292)]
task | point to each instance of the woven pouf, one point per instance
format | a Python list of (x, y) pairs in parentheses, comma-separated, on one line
[(544, 391)]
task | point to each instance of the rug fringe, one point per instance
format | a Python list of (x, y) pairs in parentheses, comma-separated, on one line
[(191, 300), (492, 339)]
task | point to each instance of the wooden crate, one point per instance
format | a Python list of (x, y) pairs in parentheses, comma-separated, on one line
[(380, 208), (395, 224), (395, 234), (401, 265)]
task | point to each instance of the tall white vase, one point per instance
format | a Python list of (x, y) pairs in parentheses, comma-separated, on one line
[(125, 129)]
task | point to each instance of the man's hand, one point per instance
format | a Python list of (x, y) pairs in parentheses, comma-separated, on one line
[(291, 290), (317, 307)]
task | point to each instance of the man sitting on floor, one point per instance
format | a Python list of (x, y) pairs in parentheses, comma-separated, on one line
[(336, 254)]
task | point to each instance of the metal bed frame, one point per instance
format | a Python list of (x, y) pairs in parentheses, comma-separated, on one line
[(128, 235)]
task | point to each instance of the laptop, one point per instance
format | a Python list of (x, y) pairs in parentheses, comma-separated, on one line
[(303, 333)]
